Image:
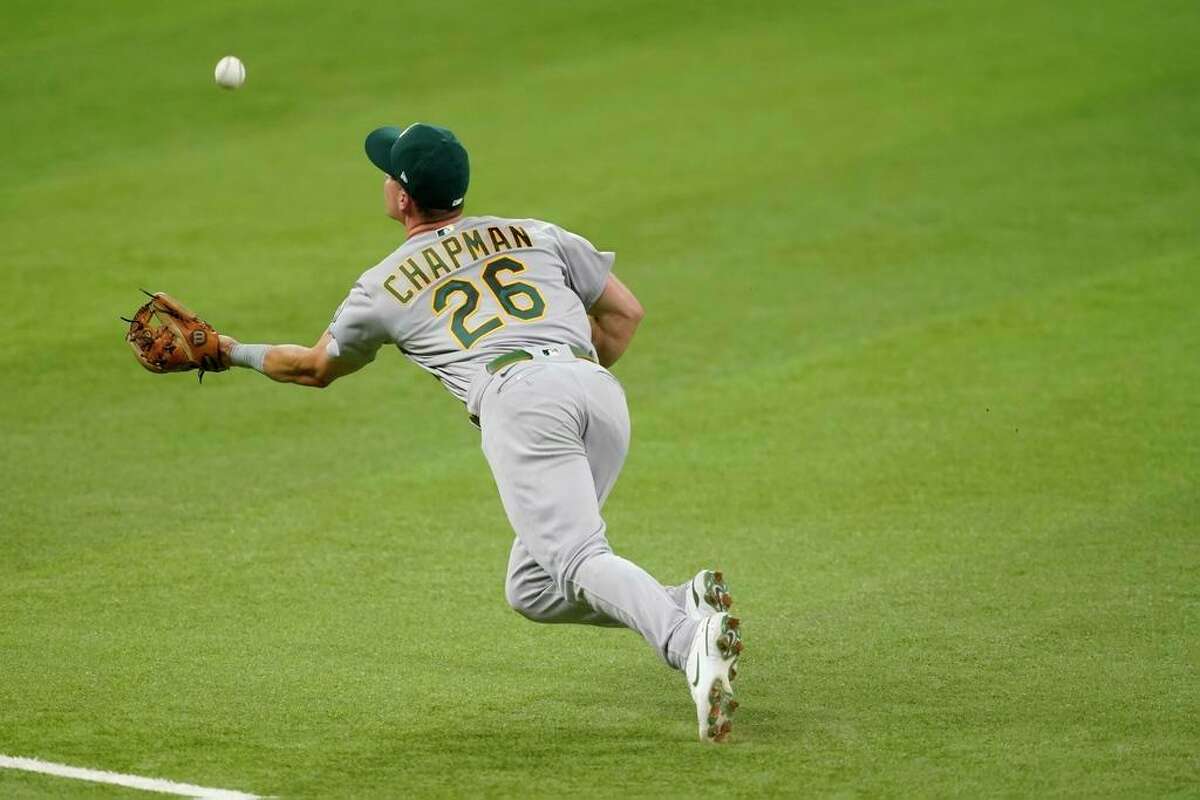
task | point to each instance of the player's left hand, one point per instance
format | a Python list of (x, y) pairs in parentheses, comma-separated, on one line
[(166, 336)]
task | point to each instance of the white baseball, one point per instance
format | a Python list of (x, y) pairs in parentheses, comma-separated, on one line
[(230, 72)]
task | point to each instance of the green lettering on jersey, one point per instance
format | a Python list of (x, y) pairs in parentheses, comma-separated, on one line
[(453, 247), (520, 237), (413, 272), (403, 298), (498, 241), (475, 246), (435, 262)]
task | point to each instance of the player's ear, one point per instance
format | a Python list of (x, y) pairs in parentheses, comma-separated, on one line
[(397, 200)]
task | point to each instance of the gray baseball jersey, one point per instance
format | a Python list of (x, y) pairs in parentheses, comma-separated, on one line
[(455, 298)]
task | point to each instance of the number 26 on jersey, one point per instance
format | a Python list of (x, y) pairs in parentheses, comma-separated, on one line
[(517, 299)]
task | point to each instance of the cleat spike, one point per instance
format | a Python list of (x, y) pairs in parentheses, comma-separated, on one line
[(732, 623), (719, 577), (732, 707)]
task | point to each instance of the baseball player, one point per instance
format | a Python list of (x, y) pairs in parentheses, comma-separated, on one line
[(518, 319)]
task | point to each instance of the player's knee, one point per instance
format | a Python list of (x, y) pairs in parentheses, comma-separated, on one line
[(519, 601), (512, 596), (532, 604), (533, 613)]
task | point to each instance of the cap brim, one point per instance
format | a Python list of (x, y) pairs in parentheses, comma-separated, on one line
[(379, 146)]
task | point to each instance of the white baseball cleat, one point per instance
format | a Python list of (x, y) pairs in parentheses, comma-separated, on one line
[(708, 594), (710, 670)]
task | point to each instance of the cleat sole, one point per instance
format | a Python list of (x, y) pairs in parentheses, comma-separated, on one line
[(715, 704), (716, 593), (718, 725), (729, 644)]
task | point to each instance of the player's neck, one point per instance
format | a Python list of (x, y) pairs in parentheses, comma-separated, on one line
[(412, 226)]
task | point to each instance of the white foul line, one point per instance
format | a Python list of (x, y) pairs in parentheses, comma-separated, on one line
[(132, 781)]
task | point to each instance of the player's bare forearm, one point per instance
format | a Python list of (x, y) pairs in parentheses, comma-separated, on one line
[(615, 317), (611, 341), (293, 363)]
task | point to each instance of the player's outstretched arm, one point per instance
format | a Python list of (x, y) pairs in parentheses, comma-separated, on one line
[(615, 316), (288, 363)]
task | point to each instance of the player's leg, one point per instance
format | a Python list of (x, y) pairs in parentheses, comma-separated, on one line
[(531, 591), (534, 424), (533, 594)]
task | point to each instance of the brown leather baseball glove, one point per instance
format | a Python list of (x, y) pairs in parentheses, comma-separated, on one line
[(167, 337)]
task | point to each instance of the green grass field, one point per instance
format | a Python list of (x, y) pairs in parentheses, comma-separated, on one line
[(919, 371)]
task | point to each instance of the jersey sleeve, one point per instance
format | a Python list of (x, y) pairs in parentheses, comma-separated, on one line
[(587, 267), (356, 328)]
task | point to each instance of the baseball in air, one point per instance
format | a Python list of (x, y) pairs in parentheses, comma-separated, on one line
[(230, 72)]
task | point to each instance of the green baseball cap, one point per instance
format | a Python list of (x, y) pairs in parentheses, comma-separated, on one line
[(428, 161)]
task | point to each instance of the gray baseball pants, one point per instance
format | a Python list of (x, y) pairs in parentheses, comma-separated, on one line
[(555, 433)]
